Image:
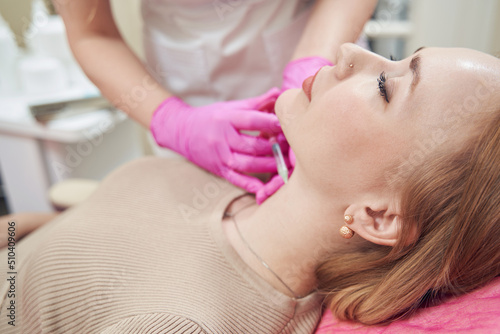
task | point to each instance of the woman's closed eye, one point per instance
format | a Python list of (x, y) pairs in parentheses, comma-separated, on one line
[(382, 86)]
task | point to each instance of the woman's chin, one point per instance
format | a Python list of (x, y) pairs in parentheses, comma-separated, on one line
[(288, 105)]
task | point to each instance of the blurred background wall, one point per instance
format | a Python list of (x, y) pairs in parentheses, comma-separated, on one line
[(34, 156), (465, 23), (127, 14), (456, 23), (399, 27), (128, 17)]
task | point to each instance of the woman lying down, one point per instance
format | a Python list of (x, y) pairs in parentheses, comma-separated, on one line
[(402, 157)]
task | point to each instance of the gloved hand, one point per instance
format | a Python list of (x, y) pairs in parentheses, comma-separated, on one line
[(275, 182), (300, 69), (209, 136), (294, 75)]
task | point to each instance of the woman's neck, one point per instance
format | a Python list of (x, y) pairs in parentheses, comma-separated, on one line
[(292, 231)]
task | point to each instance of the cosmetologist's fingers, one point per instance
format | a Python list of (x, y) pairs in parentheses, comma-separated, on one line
[(249, 183), (291, 157), (262, 101), (269, 188), (252, 164), (256, 121), (281, 139), (248, 144)]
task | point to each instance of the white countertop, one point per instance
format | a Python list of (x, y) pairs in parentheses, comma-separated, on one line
[(16, 119)]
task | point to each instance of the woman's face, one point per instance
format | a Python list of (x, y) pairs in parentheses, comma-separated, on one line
[(356, 127)]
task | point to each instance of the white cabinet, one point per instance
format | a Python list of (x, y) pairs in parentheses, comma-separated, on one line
[(34, 156)]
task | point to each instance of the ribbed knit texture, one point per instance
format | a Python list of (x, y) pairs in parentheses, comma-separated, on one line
[(146, 254)]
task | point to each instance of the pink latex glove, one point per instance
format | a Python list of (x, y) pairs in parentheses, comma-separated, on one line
[(275, 182), (294, 75), (300, 69), (209, 136)]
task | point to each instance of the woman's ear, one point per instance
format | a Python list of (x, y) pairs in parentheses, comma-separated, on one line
[(376, 222)]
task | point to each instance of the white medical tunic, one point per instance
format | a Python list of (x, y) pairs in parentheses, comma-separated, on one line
[(205, 51)]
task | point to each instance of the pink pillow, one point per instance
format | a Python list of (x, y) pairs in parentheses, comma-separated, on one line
[(477, 312)]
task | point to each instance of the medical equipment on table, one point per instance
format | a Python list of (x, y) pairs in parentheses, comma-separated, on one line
[(67, 108), (280, 162)]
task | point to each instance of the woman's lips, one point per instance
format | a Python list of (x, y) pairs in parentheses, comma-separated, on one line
[(308, 84)]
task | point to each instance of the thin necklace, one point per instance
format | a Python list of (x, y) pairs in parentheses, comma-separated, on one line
[(232, 216)]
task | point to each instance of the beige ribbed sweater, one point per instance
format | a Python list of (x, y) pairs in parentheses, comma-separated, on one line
[(146, 254)]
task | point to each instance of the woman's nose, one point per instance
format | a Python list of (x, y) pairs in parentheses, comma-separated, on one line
[(347, 53), (345, 60), (352, 59)]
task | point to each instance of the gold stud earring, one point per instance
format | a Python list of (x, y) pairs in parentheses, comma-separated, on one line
[(351, 65), (345, 231)]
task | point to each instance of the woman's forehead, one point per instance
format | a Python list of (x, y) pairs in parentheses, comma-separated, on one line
[(461, 59)]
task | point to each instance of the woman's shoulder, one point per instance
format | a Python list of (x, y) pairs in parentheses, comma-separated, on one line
[(153, 172), (164, 182), (151, 164)]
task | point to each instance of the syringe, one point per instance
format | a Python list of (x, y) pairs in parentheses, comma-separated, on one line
[(280, 162)]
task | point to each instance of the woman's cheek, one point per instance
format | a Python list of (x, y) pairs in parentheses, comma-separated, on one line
[(345, 118)]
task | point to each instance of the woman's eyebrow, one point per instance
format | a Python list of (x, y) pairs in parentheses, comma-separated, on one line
[(420, 48)]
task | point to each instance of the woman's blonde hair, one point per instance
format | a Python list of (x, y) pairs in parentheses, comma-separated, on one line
[(453, 199)]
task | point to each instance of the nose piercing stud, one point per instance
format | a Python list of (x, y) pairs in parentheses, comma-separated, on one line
[(351, 65)]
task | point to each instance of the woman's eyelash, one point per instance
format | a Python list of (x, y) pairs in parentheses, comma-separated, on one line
[(381, 82), (381, 86)]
